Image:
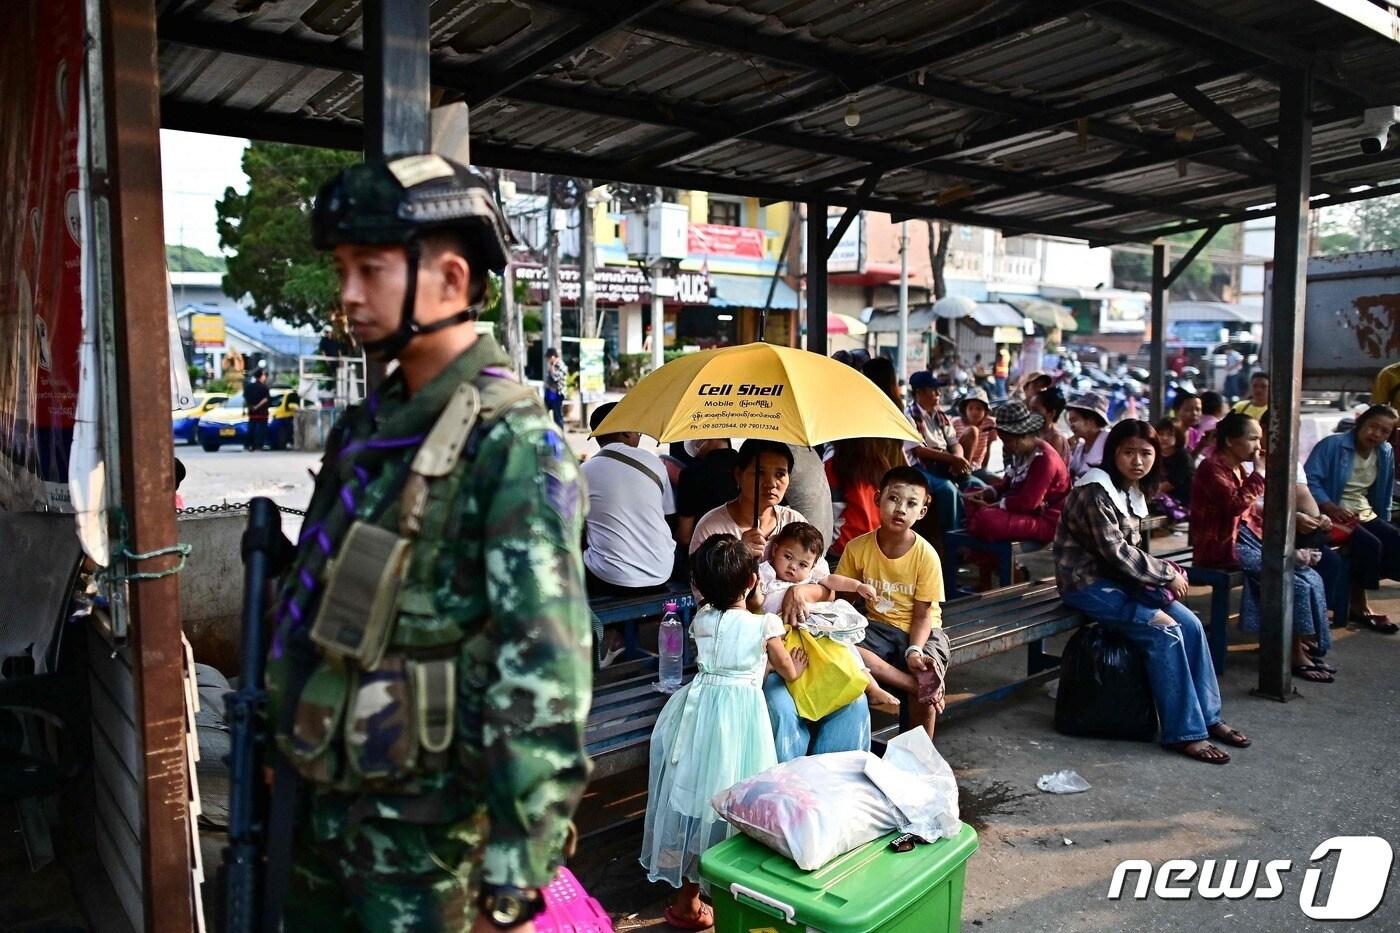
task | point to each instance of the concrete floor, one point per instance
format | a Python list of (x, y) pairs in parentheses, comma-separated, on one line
[(1320, 767)]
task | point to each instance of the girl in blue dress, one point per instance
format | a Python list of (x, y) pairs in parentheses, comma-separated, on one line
[(714, 731)]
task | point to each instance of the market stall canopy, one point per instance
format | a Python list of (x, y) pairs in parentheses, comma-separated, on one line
[(993, 314), (757, 390), (953, 307), (750, 291), (1103, 121), (1045, 313), (1211, 311), (845, 324)]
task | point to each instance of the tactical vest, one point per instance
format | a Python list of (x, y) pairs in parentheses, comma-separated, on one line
[(377, 712)]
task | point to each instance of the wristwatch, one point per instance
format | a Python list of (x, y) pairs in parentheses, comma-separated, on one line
[(508, 907)]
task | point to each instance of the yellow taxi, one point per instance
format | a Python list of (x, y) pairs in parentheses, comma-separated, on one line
[(185, 419), (228, 423)]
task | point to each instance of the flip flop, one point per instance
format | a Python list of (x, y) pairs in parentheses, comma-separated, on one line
[(1318, 663), (1229, 736), (1312, 674), (691, 923), (1376, 622), (1204, 754)]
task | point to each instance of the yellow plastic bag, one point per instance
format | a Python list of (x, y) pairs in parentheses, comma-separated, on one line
[(833, 677)]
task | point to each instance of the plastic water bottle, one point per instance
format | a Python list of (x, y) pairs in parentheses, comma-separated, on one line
[(670, 650)]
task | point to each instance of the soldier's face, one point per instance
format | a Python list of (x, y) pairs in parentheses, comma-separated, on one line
[(372, 285)]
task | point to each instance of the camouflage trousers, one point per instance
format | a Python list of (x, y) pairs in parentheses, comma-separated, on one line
[(382, 875)]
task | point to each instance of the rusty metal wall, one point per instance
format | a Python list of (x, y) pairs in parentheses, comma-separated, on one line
[(1352, 320)]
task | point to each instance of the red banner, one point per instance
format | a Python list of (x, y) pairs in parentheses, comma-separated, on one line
[(719, 240), (41, 71)]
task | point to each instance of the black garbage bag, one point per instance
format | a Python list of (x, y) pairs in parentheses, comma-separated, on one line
[(1103, 688)]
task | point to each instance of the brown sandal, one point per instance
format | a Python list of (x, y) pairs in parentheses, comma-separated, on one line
[(1207, 753), (1223, 733)]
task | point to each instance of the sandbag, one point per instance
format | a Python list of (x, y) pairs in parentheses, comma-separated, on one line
[(1104, 692)]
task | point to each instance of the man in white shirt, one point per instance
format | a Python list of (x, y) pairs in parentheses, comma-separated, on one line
[(630, 549)]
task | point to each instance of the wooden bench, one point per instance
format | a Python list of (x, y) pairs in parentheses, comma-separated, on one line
[(991, 623), (1221, 583), (631, 611), (625, 699), (1006, 552)]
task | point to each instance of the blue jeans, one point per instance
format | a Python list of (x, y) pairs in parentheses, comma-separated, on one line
[(846, 730), (1179, 668)]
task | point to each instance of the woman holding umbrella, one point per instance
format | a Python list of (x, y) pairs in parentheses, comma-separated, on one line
[(765, 465), (763, 471)]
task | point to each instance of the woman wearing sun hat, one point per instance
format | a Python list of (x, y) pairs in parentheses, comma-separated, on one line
[(1088, 420), (1023, 505)]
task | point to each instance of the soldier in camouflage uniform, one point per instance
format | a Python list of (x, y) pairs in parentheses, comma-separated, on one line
[(429, 678)]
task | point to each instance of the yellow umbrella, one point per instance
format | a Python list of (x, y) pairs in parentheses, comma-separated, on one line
[(758, 390)]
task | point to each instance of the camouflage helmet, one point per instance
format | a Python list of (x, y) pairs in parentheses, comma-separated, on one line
[(394, 202)]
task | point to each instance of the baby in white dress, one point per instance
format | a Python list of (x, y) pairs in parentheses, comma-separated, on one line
[(794, 559)]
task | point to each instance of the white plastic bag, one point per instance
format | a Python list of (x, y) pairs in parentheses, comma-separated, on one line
[(815, 808), (919, 784)]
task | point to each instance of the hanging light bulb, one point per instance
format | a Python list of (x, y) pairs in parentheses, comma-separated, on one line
[(852, 118)]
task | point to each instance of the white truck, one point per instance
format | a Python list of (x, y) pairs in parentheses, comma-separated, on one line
[(1352, 322)]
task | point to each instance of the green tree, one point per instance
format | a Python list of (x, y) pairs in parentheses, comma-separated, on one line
[(181, 258), (1377, 223), (1133, 269), (268, 234)]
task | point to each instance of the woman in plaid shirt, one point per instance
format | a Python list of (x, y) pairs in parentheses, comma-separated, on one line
[(1102, 570)]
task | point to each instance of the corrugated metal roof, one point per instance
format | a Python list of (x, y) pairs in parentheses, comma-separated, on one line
[(1060, 116)]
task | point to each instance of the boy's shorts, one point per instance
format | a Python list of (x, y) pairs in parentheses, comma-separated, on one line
[(889, 644)]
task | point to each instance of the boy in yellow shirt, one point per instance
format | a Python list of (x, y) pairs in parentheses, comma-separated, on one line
[(905, 634)]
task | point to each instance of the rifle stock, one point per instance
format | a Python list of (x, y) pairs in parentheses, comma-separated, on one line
[(242, 870)]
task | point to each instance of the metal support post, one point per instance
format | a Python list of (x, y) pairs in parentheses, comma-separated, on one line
[(1158, 347), (396, 90), (132, 104), (816, 277), (1285, 383)]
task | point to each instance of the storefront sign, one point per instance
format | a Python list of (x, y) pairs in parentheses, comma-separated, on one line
[(616, 285), (591, 382), (849, 254), (693, 288), (207, 330), (721, 240)]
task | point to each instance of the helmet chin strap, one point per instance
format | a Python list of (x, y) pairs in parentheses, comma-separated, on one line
[(387, 348)]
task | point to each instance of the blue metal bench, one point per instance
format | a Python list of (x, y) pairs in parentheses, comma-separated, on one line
[(631, 611), (1221, 583), (1007, 551), (1001, 620), (625, 700)]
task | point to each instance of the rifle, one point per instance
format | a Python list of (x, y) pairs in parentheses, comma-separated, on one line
[(242, 874)]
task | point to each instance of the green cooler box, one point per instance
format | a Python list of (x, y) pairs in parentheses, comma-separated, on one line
[(873, 888)]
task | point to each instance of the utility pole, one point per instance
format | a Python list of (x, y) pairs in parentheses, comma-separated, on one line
[(587, 294), (512, 333), (903, 349), (553, 318), (658, 309)]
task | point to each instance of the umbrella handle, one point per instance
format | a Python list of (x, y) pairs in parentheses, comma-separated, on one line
[(755, 496)]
